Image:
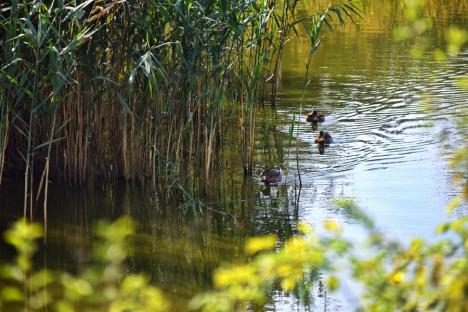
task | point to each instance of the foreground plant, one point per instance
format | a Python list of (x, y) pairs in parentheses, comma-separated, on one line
[(395, 277), (103, 286), (418, 276)]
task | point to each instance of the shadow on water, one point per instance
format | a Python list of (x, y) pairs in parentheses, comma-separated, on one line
[(389, 152)]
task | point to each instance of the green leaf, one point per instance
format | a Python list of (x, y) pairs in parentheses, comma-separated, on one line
[(122, 102), (454, 203), (40, 279), (48, 143), (10, 293), (333, 283)]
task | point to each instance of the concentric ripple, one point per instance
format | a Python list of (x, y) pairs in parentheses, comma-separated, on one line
[(380, 122)]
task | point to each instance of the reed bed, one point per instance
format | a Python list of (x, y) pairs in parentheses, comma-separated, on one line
[(144, 91)]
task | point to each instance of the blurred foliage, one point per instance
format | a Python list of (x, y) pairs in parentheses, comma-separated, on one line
[(418, 277), (395, 277), (104, 286), (350, 207), (240, 285), (418, 31), (409, 276), (406, 277)]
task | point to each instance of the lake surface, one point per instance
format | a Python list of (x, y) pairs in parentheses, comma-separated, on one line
[(393, 119)]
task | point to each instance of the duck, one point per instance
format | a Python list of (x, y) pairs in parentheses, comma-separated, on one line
[(271, 176), (315, 117), (323, 138)]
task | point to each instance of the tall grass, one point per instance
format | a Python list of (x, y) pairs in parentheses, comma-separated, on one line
[(137, 90)]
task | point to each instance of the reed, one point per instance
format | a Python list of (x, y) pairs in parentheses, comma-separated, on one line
[(138, 90)]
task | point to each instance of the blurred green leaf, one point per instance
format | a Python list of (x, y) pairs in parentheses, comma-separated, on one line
[(41, 279), (10, 293), (333, 283)]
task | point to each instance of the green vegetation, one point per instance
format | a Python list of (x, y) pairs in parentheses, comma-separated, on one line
[(418, 277), (103, 286), (82, 84), (412, 277), (146, 91)]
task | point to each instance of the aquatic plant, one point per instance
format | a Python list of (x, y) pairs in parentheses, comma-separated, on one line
[(145, 91)]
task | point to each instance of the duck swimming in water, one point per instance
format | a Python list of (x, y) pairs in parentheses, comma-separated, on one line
[(270, 176), (315, 117), (323, 138)]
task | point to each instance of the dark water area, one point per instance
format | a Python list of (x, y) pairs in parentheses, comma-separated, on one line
[(394, 123)]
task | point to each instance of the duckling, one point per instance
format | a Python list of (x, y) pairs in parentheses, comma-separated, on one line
[(315, 117), (271, 176), (323, 138)]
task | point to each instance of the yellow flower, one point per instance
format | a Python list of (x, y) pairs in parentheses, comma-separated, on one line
[(255, 244), (288, 284), (333, 226), (304, 228), (397, 277)]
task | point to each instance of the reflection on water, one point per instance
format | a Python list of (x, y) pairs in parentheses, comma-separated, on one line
[(392, 117), (389, 152)]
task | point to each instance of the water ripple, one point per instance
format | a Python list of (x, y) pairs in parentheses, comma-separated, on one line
[(380, 123)]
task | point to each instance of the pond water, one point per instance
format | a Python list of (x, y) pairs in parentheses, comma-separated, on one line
[(390, 154)]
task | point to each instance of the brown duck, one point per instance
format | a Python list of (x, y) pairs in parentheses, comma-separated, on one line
[(271, 176), (323, 138), (315, 117)]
